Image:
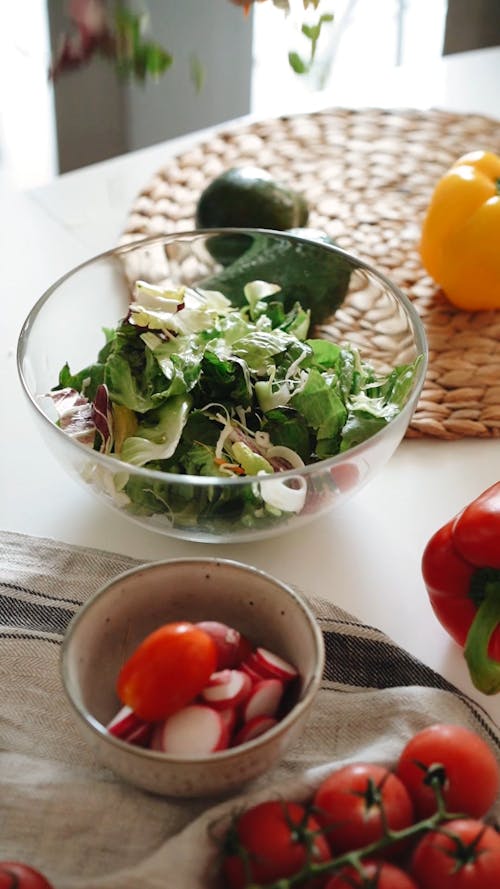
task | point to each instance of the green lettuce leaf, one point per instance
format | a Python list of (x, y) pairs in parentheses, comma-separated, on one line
[(324, 412), (223, 379), (180, 361), (88, 380), (159, 433), (287, 427), (132, 373), (259, 348)]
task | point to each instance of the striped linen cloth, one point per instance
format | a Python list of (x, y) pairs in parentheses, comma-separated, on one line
[(83, 828)]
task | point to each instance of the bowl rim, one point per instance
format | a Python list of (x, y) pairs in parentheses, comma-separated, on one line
[(219, 756), (114, 465)]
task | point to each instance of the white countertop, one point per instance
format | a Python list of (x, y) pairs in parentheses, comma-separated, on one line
[(365, 556)]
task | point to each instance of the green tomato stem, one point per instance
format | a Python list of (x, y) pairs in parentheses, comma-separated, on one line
[(484, 671)]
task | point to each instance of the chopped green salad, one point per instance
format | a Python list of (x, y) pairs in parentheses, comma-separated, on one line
[(189, 384)]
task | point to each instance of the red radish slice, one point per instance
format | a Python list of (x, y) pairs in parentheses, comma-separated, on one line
[(141, 736), (248, 667), (253, 729), (231, 645), (127, 726), (275, 665), (231, 691), (196, 730), (256, 668), (264, 699), (220, 677), (229, 718), (155, 741), (244, 649)]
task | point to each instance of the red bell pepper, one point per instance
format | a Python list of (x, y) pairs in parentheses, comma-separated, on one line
[(461, 570)]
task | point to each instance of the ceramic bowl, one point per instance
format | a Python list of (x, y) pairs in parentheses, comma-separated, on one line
[(110, 626), (349, 302)]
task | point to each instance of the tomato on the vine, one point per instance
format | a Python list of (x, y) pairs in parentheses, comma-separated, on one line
[(278, 838), (372, 875), (461, 854), (471, 772), (168, 669), (15, 875), (352, 802)]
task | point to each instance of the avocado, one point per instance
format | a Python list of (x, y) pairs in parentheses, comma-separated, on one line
[(249, 197), (307, 273), (226, 248), (246, 197)]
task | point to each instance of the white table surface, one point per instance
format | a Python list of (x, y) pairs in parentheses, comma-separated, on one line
[(365, 556)]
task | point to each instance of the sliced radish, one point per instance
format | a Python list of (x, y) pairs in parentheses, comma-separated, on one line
[(233, 689), (260, 666), (274, 665), (196, 730), (127, 726), (264, 699), (229, 718), (231, 646), (155, 741), (253, 728), (248, 666), (244, 649), (220, 677), (123, 720), (141, 736)]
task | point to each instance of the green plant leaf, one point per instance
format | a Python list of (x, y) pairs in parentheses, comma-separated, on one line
[(197, 73), (134, 56), (297, 63)]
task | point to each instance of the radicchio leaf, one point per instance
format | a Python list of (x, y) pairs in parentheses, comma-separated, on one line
[(76, 414), (103, 418)]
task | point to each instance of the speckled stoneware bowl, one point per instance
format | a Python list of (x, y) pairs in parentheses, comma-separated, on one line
[(118, 617)]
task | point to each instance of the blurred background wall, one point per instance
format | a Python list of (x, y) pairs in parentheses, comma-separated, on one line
[(98, 116), (89, 115)]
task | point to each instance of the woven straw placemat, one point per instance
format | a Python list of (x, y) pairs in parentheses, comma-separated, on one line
[(368, 176)]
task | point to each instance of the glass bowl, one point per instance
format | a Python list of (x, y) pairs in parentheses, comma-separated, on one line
[(348, 301)]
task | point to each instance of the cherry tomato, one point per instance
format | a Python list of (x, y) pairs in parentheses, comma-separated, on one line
[(462, 854), (14, 875), (374, 875), (274, 835), (345, 476), (349, 804), (168, 669), (472, 774)]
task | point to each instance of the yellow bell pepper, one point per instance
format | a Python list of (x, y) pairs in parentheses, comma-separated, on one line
[(460, 243)]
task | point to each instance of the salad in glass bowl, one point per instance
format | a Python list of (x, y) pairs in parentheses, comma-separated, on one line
[(223, 385)]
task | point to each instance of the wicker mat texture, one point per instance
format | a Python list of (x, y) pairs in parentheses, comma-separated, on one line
[(368, 176)]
